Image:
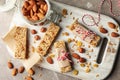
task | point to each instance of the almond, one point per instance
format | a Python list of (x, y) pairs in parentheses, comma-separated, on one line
[(49, 60), (114, 34), (81, 50), (31, 13), (32, 2), (10, 65), (35, 18), (26, 4), (40, 15), (33, 31), (41, 11), (35, 8), (28, 78), (82, 60), (111, 25), (37, 37), (76, 56), (14, 72), (43, 29), (103, 30), (21, 69), (31, 71), (45, 8)]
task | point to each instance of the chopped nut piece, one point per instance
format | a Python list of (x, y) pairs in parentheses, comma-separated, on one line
[(97, 75)]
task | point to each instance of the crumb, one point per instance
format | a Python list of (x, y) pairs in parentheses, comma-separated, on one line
[(73, 18), (89, 46), (60, 20), (97, 75), (40, 74), (70, 13)]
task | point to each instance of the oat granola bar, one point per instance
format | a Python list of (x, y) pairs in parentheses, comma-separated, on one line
[(62, 57), (16, 39), (48, 38), (84, 33)]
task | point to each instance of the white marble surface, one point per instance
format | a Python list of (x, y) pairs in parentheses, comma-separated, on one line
[(5, 73)]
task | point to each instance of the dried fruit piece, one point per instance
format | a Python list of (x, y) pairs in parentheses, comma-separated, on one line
[(28, 78), (82, 65), (33, 31), (95, 65), (103, 30), (31, 71), (81, 50), (82, 60), (49, 60), (87, 70), (10, 65), (75, 72), (76, 56), (114, 34), (43, 29), (14, 72), (21, 69), (111, 25), (37, 37)]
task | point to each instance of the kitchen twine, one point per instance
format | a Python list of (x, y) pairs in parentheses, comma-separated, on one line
[(99, 11)]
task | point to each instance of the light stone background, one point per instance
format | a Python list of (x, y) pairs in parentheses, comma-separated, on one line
[(5, 19)]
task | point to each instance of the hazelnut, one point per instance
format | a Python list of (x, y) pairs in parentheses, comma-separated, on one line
[(33, 31), (37, 37), (43, 29)]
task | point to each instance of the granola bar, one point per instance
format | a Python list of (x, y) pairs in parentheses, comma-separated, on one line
[(62, 57), (85, 34), (16, 39), (49, 36)]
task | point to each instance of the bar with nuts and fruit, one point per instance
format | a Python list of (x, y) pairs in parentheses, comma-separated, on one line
[(85, 34), (62, 57)]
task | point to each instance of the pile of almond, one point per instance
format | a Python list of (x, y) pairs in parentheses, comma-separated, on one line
[(34, 10)]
